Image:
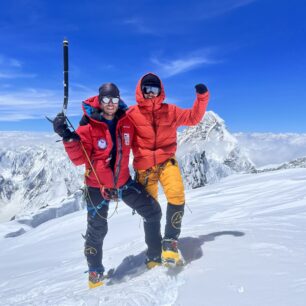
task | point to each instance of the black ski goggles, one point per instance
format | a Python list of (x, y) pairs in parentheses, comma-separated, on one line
[(107, 99), (146, 89)]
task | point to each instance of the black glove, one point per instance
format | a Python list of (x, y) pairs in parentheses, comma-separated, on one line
[(201, 88), (110, 194), (60, 127)]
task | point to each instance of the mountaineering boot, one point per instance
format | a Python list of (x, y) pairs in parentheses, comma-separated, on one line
[(95, 279), (153, 262), (153, 239), (170, 253)]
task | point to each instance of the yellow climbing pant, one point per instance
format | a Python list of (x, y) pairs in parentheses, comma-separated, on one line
[(170, 178)]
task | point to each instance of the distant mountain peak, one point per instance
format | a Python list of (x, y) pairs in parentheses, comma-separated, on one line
[(210, 128), (208, 151)]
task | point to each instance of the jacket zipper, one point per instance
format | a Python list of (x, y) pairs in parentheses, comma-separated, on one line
[(118, 157)]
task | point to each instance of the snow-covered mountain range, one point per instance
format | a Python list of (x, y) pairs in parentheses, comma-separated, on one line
[(34, 174), (37, 178), (296, 163)]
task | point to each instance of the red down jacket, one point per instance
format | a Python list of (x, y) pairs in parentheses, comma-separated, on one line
[(156, 125), (98, 144)]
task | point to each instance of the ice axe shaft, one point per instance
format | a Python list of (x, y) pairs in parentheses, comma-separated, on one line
[(66, 87), (66, 70)]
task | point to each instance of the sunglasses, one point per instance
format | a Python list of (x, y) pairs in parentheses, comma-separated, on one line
[(147, 89), (107, 100)]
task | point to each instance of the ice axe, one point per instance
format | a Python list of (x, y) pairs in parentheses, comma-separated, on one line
[(64, 111), (66, 87)]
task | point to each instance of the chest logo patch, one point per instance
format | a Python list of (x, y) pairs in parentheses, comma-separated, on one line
[(102, 143), (126, 137)]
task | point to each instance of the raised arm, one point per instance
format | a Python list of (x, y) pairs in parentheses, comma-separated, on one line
[(194, 115)]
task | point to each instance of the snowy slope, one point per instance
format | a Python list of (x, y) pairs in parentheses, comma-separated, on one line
[(244, 244)]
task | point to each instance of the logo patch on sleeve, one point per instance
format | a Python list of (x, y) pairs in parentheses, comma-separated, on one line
[(102, 143), (126, 137)]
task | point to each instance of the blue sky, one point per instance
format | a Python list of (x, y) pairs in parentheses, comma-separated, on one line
[(250, 53)]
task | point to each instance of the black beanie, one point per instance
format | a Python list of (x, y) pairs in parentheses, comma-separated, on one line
[(150, 80), (108, 89)]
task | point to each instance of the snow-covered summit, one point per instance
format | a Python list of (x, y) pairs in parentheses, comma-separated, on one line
[(208, 151), (211, 127)]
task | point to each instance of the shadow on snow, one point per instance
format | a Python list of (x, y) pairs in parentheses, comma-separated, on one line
[(190, 247)]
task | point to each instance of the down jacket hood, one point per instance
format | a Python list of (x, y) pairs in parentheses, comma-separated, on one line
[(148, 103)]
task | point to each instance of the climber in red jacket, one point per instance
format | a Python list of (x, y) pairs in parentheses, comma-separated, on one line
[(102, 142)]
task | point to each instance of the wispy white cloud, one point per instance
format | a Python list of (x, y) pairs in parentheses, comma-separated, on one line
[(170, 68), (14, 117), (176, 17), (14, 63), (11, 68), (141, 26), (27, 100), (217, 8), (9, 62), (16, 75), (5, 86), (23, 103), (81, 88), (36, 103), (239, 3)]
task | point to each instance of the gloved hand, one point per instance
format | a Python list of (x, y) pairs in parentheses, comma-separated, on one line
[(201, 88), (60, 127), (109, 194)]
